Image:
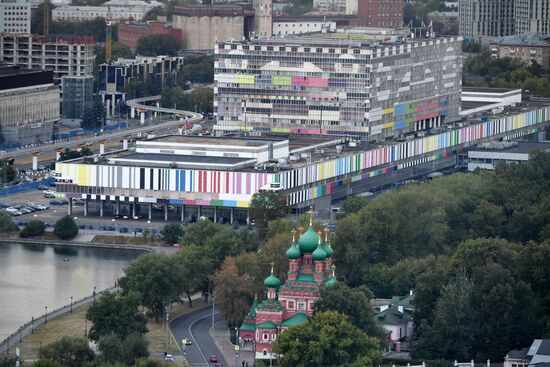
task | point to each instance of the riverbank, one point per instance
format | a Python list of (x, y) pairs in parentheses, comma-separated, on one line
[(75, 325)]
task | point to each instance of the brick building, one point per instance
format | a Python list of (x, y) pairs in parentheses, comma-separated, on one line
[(526, 47), (129, 33), (381, 13)]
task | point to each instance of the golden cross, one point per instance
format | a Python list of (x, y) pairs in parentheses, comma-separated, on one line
[(310, 212), (320, 234), (326, 234), (293, 235), (272, 265)]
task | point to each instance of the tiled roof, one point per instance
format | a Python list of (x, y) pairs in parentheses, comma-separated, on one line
[(267, 325), (248, 327), (295, 320), (392, 316)]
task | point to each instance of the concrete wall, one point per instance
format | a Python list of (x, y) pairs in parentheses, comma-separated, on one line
[(201, 33)]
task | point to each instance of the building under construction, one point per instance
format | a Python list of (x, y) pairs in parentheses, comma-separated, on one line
[(66, 56)]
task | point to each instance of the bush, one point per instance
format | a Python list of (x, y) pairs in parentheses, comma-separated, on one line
[(65, 228), (171, 233), (6, 224), (33, 228)]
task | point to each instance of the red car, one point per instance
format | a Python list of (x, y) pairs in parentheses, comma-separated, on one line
[(213, 358)]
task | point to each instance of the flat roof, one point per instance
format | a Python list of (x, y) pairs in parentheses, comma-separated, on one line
[(469, 105), (213, 140), (489, 90), (522, 147), (168, 158)]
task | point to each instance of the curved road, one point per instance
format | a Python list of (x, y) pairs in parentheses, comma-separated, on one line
[(195, 326), (192, 117)]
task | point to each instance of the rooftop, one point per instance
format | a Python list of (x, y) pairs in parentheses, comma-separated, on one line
[(528, 39), (519, 147), (212, 140)]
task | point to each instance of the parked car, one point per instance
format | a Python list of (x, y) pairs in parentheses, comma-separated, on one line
[(42, 187), (56, 202), (213, 358), (169, 358), (49, 194)]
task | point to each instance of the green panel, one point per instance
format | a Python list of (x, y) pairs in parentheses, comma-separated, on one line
[(281, 80)]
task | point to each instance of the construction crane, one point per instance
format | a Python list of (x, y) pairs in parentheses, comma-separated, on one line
[(46, 17), (108, 42)]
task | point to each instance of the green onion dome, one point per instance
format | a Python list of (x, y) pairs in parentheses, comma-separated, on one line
[(328, 249), (308, 241), (294, 251), (319, 254), (272, 281)]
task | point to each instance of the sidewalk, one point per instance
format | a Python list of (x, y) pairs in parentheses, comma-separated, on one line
[(220, 334)]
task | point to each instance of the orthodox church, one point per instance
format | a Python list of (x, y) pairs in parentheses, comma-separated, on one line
[(285, 305)]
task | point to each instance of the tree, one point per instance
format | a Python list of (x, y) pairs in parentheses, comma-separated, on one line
[(65, 228), (43, 363), (171, 233), (158, 44), (126, 350), (94, 117), (201, 99), (232, 292), (7, 172), (33, 228), (353, 302), (69, 351), (199, 232), (328, 340), (192, 270), (115, 314), (6, 224), (151, 275), (266, 206), (452, 335), (73, 154)]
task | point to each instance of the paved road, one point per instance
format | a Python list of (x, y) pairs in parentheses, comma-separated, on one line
[(195, 326), (118, 134)]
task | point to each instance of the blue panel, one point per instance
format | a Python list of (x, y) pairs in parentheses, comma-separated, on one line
[(401, 124), (399, 109)]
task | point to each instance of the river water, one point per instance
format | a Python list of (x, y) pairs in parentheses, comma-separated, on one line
[(33, 277)]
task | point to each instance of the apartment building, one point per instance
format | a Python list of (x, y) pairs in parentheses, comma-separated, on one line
[(381, 13), (532, 16), (80, 13), (69, 56), (486, 18), (15, 16), (337, 84), (527, 48)]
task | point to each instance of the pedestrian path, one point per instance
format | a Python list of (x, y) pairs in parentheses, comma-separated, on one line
[(220, 334)]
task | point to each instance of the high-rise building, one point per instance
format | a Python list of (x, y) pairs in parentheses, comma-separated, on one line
[(15, 16), (29, 104), (77, 95), (532, 16), (71, 56), (486, 18), (352, 86), (381, 13)]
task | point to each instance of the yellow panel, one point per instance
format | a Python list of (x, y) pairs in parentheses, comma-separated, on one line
[(242, 204), (388, 124), (388, 110)]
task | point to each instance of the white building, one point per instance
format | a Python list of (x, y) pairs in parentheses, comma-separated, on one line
[(29, 104), (339, 6), (300, 25), (80, 13), (15, 16), (72, 56), (490, 155)]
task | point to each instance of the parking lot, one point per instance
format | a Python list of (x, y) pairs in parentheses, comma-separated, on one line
[(108, 224)]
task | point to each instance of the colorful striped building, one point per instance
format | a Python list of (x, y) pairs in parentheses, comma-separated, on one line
[(218, 176)]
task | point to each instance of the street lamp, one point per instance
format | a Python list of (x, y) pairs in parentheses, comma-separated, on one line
[(85, 327), (71, 304), (236, 347), (94, 293), (45, 314)]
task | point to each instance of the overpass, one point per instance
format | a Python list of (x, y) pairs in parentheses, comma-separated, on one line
[(138, 105)]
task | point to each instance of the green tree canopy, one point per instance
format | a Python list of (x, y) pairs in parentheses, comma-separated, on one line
[(353, 302), (33, 228), (127, 350), (328, 340), (171, 233), (192, 269), (266, 206), (69, 352), (6, 224), (116, 314), (65, 228), (151, 276), (158, 44)]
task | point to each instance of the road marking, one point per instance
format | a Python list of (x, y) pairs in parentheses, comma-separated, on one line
[(194, 340)]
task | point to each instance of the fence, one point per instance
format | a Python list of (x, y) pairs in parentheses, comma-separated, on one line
[(27, 186), (10, 146), (81, 132), (28, 328)]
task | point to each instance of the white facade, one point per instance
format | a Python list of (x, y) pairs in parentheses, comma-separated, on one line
[(494, 99), (15, 16), (80, 13), (29, 105), (34, 52), (302, 26)]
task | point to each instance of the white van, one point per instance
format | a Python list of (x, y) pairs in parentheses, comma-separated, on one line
[(49, 194)]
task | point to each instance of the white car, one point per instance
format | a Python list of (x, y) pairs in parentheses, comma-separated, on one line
[(169, 358), (49, 194)]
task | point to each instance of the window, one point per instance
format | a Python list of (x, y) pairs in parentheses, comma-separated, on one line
[(266, 336), (301, 306)]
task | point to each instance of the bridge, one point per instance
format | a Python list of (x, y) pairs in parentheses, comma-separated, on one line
[(137, 105)]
